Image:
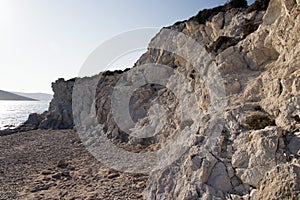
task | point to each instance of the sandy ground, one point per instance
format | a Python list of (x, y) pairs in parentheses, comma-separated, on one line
[(55, 165)]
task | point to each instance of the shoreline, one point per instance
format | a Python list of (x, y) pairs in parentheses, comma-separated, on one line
[(15, 114)]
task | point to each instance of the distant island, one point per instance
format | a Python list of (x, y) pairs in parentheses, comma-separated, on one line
[(4, 95), (37, 96)]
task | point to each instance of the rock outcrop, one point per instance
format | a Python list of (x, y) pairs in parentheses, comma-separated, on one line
[(261, 73), (59, 114), (282, 182), (243, 141)]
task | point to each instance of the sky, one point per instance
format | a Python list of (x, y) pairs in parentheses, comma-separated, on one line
[(43, 40)]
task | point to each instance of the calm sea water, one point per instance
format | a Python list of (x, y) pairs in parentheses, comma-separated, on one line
[(16, 112)]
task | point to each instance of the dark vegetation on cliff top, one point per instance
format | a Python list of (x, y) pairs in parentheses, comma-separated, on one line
[(207, 14)]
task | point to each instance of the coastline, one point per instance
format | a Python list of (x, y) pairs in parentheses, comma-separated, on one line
[(240, 139), (14, 113)]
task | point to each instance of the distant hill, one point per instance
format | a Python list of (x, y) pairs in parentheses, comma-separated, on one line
[(38, 96), (14, 97)]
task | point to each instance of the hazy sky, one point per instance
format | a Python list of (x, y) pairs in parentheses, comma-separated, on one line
[(42, 40)]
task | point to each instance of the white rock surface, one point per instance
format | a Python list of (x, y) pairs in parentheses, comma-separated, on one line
[(240, 121)]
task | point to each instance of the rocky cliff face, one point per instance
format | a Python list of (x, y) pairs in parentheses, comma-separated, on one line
[(59, 114), (257, 54), (247, 148)]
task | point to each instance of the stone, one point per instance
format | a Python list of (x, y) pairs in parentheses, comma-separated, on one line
[(62, 164), (294, 144), (46, 172), (254, 194), (255, 154), (219, 178), (282, 182), (45, 187), (113, 175), (242, 189), (34, 119), (56, 176)]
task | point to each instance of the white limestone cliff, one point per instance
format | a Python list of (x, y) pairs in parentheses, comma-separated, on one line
[(248, 148)]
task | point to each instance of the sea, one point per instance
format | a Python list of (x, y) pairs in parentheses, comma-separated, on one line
[(14, 113)]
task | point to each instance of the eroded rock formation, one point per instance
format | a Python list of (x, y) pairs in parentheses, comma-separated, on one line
[(261, 74), (247, 150), (59, 115)]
